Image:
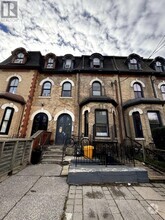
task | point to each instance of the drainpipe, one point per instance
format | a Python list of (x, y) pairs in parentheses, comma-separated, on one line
[(78, 102), (120, 109), (153, 86)]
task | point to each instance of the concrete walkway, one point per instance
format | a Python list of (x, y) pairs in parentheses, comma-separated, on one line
[(36, 193), (40, 193)]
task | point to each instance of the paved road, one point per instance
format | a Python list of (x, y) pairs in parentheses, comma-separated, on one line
[(36, 193)]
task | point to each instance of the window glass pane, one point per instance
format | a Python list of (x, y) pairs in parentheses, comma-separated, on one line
[(137, 87), (137, 125), (101, 117), (67, 86), (7, 115), (47, 85), (14, 82), (153, 117), (68, 63), (4, 127), (20, 55), (163, 88), (133, 61), (158, 64), (96, 62), (50, 60)]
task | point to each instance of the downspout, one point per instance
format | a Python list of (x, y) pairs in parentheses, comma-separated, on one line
[(153, 86), (121, 113)]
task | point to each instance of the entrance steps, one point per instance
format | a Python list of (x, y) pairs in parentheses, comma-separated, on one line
[(52, 155)]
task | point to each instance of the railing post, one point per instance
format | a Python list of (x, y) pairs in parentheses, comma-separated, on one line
[(14, 154), (23, 155), (1, 149)]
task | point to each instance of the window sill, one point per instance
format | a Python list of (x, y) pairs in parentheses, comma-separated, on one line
[(3, 135), (44, 97), (139, 139), (66, 97)]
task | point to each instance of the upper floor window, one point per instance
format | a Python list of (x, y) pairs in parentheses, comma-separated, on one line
[(50, 61), (6, 120), (13, 84), (133, 64), (138, 90), (96, 89), (163, 91), (66, 89), (159, 67), (96, 60), (137, 125), (68, 64), (46, 89), (19, 56), (68, 61)]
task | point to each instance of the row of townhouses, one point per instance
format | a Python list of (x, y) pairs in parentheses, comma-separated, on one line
[(107, 98)]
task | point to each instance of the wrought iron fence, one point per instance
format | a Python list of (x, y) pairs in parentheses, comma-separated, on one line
[(98, 152)]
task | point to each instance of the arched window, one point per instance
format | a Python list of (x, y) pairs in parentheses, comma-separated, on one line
[(66, 89), (19, 58), (13, 84), (96, 62), (163, 91), (137, 125), (138, 90), (86, 124), (133, 64), (159, 67), (50, 63), (6, 120), (46, 89), (96, 89)]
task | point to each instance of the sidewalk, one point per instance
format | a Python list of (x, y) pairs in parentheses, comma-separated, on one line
[(39, 192), (35, 193)]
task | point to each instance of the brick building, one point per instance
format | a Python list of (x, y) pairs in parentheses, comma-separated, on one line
[(108, 98)]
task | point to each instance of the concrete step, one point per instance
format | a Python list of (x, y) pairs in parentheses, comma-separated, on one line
[(52, 156), (51, 161)]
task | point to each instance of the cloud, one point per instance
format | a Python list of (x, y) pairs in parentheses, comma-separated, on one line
[(114, 27)]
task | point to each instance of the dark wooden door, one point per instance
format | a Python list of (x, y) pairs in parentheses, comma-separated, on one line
[(64, 128)]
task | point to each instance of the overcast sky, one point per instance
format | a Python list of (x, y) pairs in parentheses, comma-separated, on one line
[(109, 27)]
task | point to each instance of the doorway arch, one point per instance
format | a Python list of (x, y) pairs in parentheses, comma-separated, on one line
[(63, 129), (40, 122)]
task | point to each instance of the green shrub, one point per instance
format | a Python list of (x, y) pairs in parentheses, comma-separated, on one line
[(158, 135)]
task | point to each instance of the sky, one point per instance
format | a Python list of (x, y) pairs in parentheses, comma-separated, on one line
[(83, 27)]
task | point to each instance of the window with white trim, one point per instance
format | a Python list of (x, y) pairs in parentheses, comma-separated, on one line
[(101, 123), (137, 125), (6, 120), (66, 89), (46, 89), (138, 90), (13, 84)]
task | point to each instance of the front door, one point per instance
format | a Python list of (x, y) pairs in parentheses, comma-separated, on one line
[(40, 122), (64, 128)]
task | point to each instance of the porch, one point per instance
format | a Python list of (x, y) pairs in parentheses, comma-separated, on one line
[(102, 162)]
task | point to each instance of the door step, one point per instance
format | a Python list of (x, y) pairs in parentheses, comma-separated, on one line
[(52, 155)]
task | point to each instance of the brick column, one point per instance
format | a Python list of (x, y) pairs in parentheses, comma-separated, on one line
[(26, 115)]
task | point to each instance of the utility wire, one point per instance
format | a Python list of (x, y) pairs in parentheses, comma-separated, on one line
[(159, 46)]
